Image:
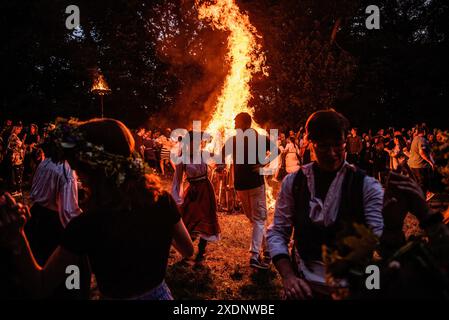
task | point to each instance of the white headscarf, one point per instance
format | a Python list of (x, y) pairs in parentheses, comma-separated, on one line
[(325, 213)]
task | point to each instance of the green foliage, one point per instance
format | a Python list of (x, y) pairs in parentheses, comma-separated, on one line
[(48, 70), (159, 59), (352, 255)]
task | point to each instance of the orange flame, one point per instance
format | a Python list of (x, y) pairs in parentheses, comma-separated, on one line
[(245, 57), (100, 86)]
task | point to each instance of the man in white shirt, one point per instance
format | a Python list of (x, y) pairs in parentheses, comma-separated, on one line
[(54, 194), (319, 201)]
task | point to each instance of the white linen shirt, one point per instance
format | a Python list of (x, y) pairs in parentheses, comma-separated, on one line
[(55, 187)]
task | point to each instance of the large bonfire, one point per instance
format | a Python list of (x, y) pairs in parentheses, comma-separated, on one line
[(245, 58)]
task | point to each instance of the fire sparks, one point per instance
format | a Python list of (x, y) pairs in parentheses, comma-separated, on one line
[(245, 58)]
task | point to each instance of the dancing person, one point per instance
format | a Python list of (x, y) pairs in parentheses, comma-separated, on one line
[(197, 203), (322, 199), (54, 197), (250, 184), (128, 225)]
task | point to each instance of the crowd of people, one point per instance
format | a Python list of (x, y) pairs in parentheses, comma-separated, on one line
[(155, 147), (124, 225), (379, 153), (19, 154), (95, 206)]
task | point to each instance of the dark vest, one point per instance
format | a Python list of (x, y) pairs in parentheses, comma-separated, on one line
[(309, 236)]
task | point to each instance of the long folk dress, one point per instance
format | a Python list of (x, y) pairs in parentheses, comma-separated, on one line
[(197, 204)]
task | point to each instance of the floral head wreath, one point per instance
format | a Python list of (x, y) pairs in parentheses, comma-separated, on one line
[(66, 136)]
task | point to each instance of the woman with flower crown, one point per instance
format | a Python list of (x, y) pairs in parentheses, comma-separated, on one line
[(128, 225), (198, 205)]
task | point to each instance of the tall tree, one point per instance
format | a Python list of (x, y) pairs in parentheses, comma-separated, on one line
[(162, 63)]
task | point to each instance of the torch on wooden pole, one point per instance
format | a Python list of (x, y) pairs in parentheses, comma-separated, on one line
[(102, 108), (100, 88)]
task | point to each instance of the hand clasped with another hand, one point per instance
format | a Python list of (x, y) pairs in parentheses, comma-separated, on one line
[(13, 216)]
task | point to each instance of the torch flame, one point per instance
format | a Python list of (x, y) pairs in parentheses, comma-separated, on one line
[(245, 58), (100, 86)]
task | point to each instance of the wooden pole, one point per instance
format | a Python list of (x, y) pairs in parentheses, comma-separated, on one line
[(101, 99)]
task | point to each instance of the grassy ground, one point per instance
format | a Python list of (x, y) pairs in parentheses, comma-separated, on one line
[(225, 274)]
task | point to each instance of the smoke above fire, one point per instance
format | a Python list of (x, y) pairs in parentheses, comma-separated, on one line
[(221, 54), (213, 51)]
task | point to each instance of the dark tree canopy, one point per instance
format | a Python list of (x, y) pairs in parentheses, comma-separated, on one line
[(165, 67)]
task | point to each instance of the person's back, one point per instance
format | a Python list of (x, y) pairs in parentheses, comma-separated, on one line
[(54, 187), (246, 174), (128, 223), (416, 160), (128, 250), (248, 181)]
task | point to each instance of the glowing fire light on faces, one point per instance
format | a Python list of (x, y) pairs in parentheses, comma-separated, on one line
[(245, 59)]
